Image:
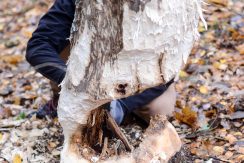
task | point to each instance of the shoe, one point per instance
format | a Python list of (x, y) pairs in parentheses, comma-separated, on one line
[(49, 109)]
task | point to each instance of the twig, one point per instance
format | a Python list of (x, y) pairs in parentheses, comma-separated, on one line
[(203, 132), (5, 129), (105, 147), (212, 157), (116, 130), (116, 146), (215, 158)]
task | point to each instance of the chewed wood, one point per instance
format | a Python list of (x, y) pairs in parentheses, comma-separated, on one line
[(120, 48)]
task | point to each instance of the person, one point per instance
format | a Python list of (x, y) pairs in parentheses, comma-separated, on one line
[(48, 50)]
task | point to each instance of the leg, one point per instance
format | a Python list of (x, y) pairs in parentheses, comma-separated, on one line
[(50, 108), (64, 55), (164, 104)]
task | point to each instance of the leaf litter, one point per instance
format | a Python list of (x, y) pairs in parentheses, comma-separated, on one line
[(209, 110)]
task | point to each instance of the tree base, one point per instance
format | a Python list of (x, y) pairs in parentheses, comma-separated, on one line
[(94, 142)]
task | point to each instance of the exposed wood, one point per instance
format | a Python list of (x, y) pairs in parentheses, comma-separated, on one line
[(105, 147), (92, 133), (119, 48), (161, 143), (116, 130)]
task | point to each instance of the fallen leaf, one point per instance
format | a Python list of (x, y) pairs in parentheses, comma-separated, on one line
[(241, 150), (210, 113), (236, 35), (183, 74), (228, 154), (231, 138), (218, 150), (240, 158), (27, 32), (52, 144), (28, 87), (17, 159), (203, 89), (220, 2), (12, 59), (5, 113), (220, 66), (240, 48), (187, 116)]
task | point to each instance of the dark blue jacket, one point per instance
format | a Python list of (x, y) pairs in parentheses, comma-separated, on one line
[(51, 37)]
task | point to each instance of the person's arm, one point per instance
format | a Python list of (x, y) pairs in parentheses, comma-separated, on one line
[(120, 108), (50, 38)]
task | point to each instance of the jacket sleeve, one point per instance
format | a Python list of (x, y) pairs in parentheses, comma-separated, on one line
[(50, 38)]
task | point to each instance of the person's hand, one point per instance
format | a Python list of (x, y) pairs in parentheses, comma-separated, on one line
[(117, 111)]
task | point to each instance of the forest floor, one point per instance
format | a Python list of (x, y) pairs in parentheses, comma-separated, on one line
[(210, 102)]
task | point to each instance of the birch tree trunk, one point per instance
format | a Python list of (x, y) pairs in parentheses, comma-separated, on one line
[(119, 48)]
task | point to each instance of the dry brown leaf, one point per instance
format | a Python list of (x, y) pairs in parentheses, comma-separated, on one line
[(240, 158), (5, 113), (27, 33), (220, 66), (17, 100), (210, 113), (218, 150), (240, 48), (241, 150), (236, 34), (187, 116), (231, 138), (28, 87), (228, 154), (52, 144), (12, 59)]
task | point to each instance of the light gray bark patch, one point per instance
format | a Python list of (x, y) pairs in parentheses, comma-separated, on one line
[(105, 23)]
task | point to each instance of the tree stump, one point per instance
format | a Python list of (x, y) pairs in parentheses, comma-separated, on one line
[(120, 48)]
